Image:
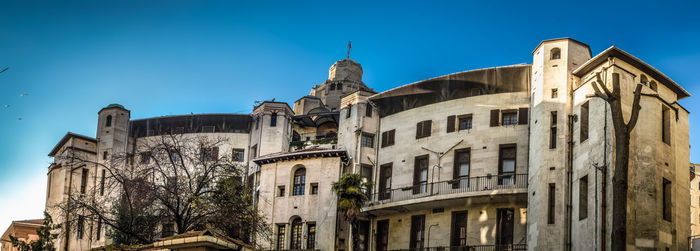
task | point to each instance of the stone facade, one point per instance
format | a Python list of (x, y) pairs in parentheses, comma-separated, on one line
[(24, 230), (512, 157)]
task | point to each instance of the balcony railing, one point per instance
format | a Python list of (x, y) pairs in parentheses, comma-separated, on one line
[(456, 186), (500, 247)]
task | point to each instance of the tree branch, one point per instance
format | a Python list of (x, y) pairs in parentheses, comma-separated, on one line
[(635, 108)]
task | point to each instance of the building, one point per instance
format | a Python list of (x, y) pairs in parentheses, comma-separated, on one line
[(24, 230), (694, 206), (506, 158)]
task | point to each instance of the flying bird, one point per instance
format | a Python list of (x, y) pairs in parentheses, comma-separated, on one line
[(3, 70), (7, 106), (23, 94), (19, 119)]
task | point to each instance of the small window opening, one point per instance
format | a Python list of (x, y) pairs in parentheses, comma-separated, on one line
[(108, 123), (555, 53)]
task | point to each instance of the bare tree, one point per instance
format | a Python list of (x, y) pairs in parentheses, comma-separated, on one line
[(622, 132), (170, 182)]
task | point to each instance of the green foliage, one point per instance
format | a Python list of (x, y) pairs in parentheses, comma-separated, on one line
[(350, 190), (45, 241), (236, 215)]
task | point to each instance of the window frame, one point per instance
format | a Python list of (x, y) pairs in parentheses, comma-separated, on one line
[(510, 121), (466, 117), (299, 181), (388, 138), (583, 198), (501, 158), (367, 140), (424, 129)]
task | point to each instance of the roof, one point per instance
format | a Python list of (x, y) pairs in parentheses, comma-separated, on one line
[(204, 238), (30, 222), (636, 62), (114, 106), (65, 139), (192, 123), (563, 38), (302, 154)]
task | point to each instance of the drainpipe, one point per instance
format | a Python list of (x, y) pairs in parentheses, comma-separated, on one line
[(569, 174)]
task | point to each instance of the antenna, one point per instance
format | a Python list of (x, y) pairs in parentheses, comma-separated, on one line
[(349, 46)]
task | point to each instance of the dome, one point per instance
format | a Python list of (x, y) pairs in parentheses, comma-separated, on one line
[(115, 106)]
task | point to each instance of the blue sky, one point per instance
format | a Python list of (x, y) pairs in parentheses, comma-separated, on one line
[(177, 57)]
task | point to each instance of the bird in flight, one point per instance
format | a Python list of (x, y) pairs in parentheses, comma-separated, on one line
[(23, 94), (7, 106)]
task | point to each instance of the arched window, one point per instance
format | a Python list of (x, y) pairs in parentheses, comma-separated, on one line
[(652, 85), (555, 53), (295, 242), (332, 87), (299, 181), (340, 86), (108, 123), (643, 79)]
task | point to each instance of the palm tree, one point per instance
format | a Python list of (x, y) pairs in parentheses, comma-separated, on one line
[(351, 192)]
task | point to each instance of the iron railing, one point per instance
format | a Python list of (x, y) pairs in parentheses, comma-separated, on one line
[(499, 247), (455, 186)]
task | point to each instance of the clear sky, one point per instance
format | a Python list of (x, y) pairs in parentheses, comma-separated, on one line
[(177, 57)]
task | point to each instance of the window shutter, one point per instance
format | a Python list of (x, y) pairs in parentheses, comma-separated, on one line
[(391, 137), (384, 139), (215, 153), (451, 123), (522, 116), (427, 127), (494, 117), (419, 129)]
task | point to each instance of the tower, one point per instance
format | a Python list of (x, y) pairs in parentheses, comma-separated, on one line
[(112, 131), (549, 167), (344, 77)]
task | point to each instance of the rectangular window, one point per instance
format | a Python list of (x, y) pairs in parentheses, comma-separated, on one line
[(48, 188), (273, 119), (347, 115), (210, 153), (504, 226), (238, 154), (423, 129), (420, 174), (584, 122), (388, 138), (207, 129), (145, 157), (551, 200), (553, 131), (459, 229), (311, 236), (666, 125), (280, 191), (104, 155), (363, 235), (506, 165), (382, 241), (509, 117), (167, 229), (366, 174), (102, 182), (253, 151), (367, 140), (368, 110), (385, 182), (83, 181), (314, 188), (417, 232), (555, 93), (522, 115), (280, 236), (451, 123), (667, 199), (460, 171), (99, 228), (583, 198), (81, 227), (465, 122)]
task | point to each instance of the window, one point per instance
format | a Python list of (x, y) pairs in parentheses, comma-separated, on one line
[(178, 130), (368, 110), (210, 153), (314, 188), (340, 86), (583, 198), (81, 227), (83, 181), (108, 123), (273, 119), (175, 157), (104, 155), (584, 122), (504, 226), (420, 174), (48, 188), (555, 93), (506, 167), (551, 199), (417, 232), (311, 236), (366, 174), (297, 227), (332, 87), (238, 154), (99, 228), (363, 235), (388, 138), (382, 241), (555, 53), (167, 229), (553, 131), (643, 79), (367, 140), (423, 129), (280, 236), (460, 171), (666, 199), (509, 117), (253, 151), (465, 122), (102, 182), (665, 125), (459, 229), (280, 191), (207, 129), (494, 118), (299, 181), (145, 157), (385, 181), (652, 86), (348, 114)]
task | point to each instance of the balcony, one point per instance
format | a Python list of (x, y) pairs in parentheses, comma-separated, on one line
[(501, 247), (449, 189)]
